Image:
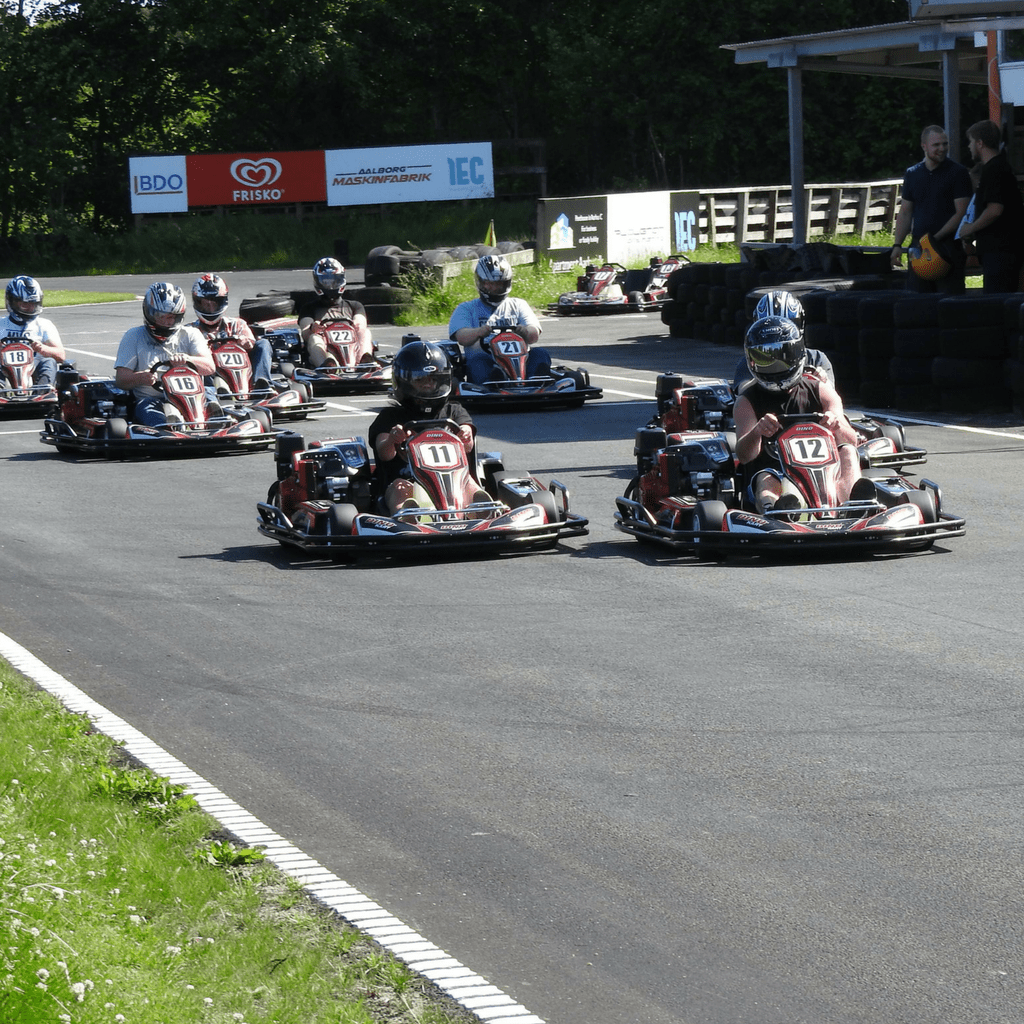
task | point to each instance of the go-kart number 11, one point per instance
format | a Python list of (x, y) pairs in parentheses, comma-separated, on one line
[(438, 456)]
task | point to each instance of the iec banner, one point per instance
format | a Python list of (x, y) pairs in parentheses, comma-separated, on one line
[(409, 174), (158, 184), (255, 179), (638, 226), (573, 232)]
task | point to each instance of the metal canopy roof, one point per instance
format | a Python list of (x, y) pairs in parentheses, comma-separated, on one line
[(950, 51)]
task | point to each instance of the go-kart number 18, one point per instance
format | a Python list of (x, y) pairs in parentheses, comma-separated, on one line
[(808, 451), (17, 356)]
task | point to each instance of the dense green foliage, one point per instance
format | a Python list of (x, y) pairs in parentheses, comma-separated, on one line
[(621, 102)]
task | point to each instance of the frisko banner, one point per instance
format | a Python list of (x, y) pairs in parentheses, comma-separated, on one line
[(411, 174), (341, 177)]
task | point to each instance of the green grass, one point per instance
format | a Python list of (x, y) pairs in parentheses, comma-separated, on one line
[(122, 904), (69, 298)]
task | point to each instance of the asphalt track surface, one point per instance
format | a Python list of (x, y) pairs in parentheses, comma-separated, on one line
[(622, 786)]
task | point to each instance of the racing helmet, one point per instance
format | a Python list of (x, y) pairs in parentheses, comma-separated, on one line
[(422, 375), (493, 279), (926, 262), (780, 303), (329, 277), (163, 309), (210, 298), (775, 352), (24, 299)]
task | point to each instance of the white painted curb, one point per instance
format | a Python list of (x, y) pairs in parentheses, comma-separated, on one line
[(486, 1002)]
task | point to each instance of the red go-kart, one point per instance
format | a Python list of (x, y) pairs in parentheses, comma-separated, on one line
[(19, 394)]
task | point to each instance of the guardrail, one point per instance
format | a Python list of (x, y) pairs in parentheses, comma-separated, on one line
[(765, 214)]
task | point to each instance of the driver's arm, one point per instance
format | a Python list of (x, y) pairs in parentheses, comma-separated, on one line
[(465, 336), (386, 444), (833, 415), (127, 379), (750, 431)]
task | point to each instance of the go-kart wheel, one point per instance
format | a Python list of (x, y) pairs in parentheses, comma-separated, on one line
[(925, 501), (116, 429), (262, 417), (301, 389), (552, 511), (636, 299), (341, 519), (709, 516), (896, 434), (287, 370)]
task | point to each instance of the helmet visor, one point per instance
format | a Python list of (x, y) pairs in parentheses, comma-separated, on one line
[(208, 305), (166, 320), (26, 307)]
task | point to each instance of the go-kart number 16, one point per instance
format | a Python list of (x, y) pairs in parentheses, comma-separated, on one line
[(808, 451)]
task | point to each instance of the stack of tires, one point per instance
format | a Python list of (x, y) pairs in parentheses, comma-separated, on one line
[(383, 303), (387, 263)]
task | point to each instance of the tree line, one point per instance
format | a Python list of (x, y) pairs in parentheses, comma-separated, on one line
[(624, 99)]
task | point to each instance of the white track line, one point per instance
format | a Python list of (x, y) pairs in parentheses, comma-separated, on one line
[(485, 1001)]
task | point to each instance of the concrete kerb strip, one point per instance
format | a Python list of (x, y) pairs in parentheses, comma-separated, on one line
[(471, 991)]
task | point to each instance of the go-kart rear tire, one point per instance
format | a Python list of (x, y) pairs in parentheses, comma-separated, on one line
[(266, 307), (636, 299), (116, 429), (341, 519), (896, 434), (287, 370)]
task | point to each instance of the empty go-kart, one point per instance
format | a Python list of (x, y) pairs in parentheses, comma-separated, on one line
[(95, 418), (327, 500), (611, 288)]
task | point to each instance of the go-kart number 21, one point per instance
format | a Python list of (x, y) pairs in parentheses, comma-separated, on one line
[(809, 451), (510, 347)]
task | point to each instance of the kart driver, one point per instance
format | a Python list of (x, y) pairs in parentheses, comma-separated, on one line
[(329, 282), (24, 299), (421, 383), (779, 302), (162, 338), (777, 361), (493, 311), (210, 301)]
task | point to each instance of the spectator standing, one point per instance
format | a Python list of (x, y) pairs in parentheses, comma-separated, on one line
[(934, 198), (999, 212)]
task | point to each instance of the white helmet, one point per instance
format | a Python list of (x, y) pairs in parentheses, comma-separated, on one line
[(329, 277), (493, 279), (163, 309)]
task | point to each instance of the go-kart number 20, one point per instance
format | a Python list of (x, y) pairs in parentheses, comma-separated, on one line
[(808, 451), (237, 359), (438, 456)]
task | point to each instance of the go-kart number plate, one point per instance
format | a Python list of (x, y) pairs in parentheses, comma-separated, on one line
[(438, 455), (808, 451), (183, 384), (16, 356), (232, 359), (509, 346)]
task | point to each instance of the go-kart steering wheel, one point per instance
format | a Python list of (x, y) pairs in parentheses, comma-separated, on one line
[(789, 418), (163, 366)]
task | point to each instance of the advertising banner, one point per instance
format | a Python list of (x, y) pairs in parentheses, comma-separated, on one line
[(158, 184), (685, 209), (255, 179), (573, 232), (638, 226), (409, 174)]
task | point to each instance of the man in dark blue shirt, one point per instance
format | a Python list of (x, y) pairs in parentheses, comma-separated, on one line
[(934, 199)]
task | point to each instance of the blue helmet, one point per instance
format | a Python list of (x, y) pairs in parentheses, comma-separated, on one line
[(24, 299)]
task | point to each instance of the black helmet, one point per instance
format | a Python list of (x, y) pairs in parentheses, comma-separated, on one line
[(421, 375), (775, 352), (210, 298), (780, 303)]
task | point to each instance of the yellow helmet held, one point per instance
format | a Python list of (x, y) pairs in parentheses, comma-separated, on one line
[(926, 262)]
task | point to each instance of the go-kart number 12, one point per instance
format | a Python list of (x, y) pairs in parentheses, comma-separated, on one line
[(808, 451)]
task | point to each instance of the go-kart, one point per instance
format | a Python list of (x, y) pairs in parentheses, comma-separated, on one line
[(611, 288), (328, 501), (352, 366), (19, 394), (95, 418), (708, 405), (690, 495), (561, 386), (234, 383)]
